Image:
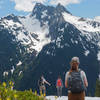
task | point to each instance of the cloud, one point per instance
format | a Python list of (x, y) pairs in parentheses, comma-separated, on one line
[(27, 5), (64, 2)]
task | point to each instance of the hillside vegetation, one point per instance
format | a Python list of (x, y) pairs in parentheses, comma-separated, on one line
[(8, 93)]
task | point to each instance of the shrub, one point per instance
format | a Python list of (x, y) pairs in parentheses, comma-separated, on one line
[(7, 93)]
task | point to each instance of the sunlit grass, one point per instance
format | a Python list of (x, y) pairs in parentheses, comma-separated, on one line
[(7, 93)]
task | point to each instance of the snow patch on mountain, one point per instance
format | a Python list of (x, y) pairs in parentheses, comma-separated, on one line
[(44, 14), (5, 73), (20, 73), (97, 18), (66, 98), (83, 24), (62, 29), (19, 63), (87, 52), (99, 76), (12, 70), (58, 42), (98, 56), (10, 24), (33, 26)]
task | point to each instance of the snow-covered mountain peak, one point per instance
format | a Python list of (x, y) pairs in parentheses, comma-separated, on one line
[(60, 8), (39, 28), (10, 22), (38, 9), (85, 25), (11, 17)]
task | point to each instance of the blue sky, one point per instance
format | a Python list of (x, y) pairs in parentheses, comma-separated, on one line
[(82, 8)]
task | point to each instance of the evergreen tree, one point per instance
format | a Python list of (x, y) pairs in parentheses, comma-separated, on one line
[(97, 93)]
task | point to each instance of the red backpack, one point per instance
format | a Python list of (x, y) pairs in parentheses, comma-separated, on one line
[(59, 82)]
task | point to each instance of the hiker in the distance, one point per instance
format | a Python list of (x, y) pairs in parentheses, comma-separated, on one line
[(41, 83), (76, 81), (59, 86)]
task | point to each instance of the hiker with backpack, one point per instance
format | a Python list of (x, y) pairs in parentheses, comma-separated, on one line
[(41, 83), (59, 86), (76, 81)]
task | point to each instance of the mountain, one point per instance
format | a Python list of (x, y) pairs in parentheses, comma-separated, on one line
[(44, 42)]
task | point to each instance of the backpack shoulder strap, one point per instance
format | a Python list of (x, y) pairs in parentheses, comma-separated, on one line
[(79, 70), (81, 75)]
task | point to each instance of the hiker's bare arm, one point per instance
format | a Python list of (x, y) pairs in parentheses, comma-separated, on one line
[(66, 78), (47, 83), (85, 79), (66, 84), (85, 82)]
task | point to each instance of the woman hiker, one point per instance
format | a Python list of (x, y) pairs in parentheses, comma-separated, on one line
[(76, 81)]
